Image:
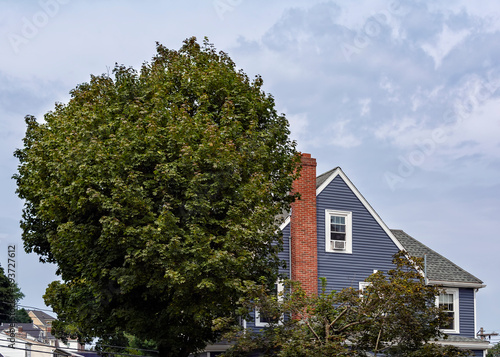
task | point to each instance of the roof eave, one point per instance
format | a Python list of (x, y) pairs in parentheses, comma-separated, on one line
[(456, 284), (481, 345)]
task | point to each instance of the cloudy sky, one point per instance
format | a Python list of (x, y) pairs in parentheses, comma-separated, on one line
[(403, 95)]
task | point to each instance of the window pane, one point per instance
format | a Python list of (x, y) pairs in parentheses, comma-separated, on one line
[(337, 236), (337, 228), (337, 220), (446, 302)]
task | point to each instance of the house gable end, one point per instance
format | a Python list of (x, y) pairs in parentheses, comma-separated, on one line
[(324, 180), (373, 245)]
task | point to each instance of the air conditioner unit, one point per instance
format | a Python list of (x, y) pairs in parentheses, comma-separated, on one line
[(338, 244)]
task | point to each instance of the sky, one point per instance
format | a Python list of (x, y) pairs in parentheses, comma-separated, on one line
[(402, 95)]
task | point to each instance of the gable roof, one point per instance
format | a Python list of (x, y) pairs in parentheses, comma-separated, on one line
[(42, 316), (323, 180), (440, 271), (28, 328), (325, 176)]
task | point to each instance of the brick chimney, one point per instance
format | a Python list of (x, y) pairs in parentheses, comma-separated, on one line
[(304, 253)]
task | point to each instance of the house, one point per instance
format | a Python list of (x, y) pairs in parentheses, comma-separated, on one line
[(28, 339), (43, 322), (19, 345), (333, 232)]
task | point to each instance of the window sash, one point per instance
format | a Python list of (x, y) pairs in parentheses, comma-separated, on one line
[(449, 301)]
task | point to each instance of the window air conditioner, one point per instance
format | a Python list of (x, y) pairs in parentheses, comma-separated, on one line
[(338, 244)]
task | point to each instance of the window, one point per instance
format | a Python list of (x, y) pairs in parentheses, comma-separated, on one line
[(338, 231), (449, 301), (362, 286), (262, 320)]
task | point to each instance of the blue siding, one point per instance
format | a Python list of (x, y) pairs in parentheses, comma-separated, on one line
[(466, 312), (372, 248), (284, 255)]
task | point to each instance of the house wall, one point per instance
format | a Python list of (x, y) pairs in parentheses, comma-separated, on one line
[(372, 248), (284, 255), (466, 312), (37, 349), (478, 353)]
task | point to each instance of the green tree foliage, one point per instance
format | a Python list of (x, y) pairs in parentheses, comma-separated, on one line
[(7, 299), (395, 315), (155, 193), (495, 351), (10, 294), (22, 316), (122, 344)]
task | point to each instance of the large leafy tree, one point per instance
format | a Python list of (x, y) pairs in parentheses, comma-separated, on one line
[(395, 315), (10, 294), (155, 192)]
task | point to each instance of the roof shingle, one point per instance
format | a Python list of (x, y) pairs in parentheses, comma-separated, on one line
[(438, 267)]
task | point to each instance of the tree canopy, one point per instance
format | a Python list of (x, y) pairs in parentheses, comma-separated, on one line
[(10, 294), (394, 315), (155, 192), (494, 351)]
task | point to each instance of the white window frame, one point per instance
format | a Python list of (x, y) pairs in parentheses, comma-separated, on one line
[(258, 323), (456, 310), (362, 286), (348, 230)]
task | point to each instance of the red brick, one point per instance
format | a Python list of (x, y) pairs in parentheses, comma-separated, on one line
[(304, 253)]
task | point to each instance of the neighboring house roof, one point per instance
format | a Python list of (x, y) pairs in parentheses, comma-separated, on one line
[(30, 329), (42, 316), (66, 352), (439, 269)]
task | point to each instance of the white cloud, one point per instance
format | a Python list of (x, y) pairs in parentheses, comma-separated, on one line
[(443, 44), (341, 135), (398, 130), (390, 87), (298, 126), (365, 106)]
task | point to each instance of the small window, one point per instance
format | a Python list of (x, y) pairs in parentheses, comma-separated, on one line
[(263, 320), (338, 231), (362, 286), (449, 301)]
